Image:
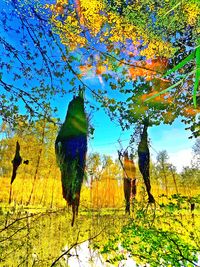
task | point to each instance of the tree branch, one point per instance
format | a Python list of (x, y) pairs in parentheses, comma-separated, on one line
[(74, 245)]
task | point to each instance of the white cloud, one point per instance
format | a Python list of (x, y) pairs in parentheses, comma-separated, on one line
[(181, 158), (173, 138)]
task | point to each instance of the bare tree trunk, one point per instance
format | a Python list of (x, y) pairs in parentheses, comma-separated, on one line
[(45, 185), (174, 178), (35, 177), (97, 192), (52, 194), (165, 178), (91, 193), (38, 163), (109, 191), (28, 240)]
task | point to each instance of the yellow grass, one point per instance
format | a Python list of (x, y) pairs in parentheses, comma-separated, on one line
[(104, 193)]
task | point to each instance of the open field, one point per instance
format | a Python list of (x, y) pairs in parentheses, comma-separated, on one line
[(36, 234)]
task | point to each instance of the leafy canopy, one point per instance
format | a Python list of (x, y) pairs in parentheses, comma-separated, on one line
[(129, 47)]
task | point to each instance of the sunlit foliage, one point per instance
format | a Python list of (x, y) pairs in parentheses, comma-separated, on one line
[(129, 47)]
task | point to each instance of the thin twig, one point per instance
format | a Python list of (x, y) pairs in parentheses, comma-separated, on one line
[(74, 245)]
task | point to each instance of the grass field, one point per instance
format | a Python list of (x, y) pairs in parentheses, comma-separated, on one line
[(37, 234)]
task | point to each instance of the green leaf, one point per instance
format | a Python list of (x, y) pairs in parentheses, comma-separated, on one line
[(172, 86), (181, 64), (196, 85), (174, 7), (197, 77), (164, 91)]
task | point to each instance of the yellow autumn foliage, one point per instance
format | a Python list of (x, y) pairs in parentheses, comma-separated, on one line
[(109, 27), (91, 12), (192, 11)]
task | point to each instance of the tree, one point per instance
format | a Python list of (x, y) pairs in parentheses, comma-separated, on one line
[(196, 152), (166, 171), (94, 38), (32, 72), (102, 31), (190, 177), (105, 181), (33, 182), (162, 159), (133, 67), (191, 174)]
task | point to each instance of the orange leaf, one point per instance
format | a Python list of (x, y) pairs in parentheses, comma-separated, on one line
[(100, 70), (191, 111), (59, 8)]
